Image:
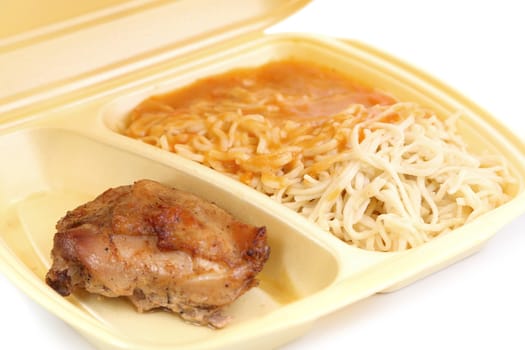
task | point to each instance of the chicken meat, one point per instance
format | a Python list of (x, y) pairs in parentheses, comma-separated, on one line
[(161, 248)]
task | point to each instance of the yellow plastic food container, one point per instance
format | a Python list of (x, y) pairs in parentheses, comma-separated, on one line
[(62, 117)]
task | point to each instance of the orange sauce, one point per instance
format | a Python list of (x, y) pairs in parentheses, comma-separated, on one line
[(282, 89), (294, 111)]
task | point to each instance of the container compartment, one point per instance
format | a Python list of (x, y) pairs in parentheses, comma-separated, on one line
[(371, 68), (55, 170)]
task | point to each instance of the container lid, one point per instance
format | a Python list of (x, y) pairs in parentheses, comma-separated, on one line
[(48, 45)]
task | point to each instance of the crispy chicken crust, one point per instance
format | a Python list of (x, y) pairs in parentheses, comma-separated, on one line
[(161, 248)]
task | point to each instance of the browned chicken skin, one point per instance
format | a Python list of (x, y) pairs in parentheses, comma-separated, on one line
[(161, 248)]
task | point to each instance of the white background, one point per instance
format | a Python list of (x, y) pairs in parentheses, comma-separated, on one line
[(478, 47)]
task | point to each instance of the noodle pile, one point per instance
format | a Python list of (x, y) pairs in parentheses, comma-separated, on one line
[(382, 177)]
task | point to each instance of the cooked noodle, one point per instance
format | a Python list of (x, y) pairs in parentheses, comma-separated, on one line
[(382, 177)]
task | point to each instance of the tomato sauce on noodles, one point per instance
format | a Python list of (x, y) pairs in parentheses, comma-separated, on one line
[(378, 173)]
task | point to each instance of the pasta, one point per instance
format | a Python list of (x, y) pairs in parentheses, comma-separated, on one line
[(381, 175)]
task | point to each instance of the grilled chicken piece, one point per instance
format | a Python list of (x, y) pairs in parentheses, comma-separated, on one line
[(161, 248)]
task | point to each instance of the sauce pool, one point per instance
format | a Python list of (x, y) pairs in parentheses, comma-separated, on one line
[(278, 90)]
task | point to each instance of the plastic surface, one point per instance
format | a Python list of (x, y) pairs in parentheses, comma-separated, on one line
[(38, 14), (63, 47), (71, 152)]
